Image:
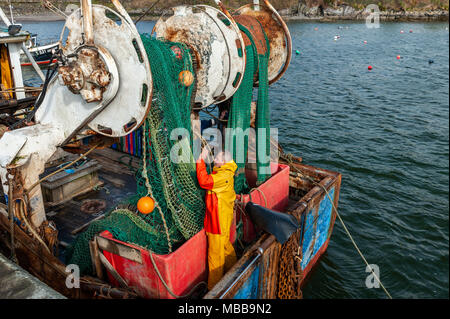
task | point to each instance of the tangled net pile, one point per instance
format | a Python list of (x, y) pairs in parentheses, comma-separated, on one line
[(179, 206)]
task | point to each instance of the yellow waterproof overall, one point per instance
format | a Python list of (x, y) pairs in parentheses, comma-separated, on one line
[(218, 218)]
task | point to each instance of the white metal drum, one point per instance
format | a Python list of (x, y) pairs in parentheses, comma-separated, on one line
[(128, 108), (218, 49)]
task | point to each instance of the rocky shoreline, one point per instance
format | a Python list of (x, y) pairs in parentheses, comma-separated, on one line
[(345, 12), (303, 10), (384, 16)]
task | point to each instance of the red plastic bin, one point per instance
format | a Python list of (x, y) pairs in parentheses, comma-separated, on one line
[(181, 270), (276, 193)]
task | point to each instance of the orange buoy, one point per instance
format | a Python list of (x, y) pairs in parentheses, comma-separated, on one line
[(186, 78), (365, 42), (369, 67), (398, 57), (145, 205)]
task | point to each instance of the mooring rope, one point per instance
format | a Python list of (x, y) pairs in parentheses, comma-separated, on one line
[(167, 286), (288, 157)]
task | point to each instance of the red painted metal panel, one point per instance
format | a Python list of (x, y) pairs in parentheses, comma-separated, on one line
[(181, 270), (276, 193)]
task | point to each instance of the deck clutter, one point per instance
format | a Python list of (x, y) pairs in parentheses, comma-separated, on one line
[(124, 95)]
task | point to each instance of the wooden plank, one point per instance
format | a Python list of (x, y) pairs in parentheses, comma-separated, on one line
[(50, 270), (119, 249), (112, 271), (117, 160), (79, 193), (93, 247), (37, 261), (269, 272), (82, 227), (117, 182)]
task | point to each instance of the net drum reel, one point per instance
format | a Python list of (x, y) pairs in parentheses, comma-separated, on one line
[(104, 83), (93, 50), (280, 41), (218, 49)]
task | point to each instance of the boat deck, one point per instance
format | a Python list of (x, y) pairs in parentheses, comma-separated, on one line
[(118, 183)]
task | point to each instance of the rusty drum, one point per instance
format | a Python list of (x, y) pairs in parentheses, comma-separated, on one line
[(257, 33), (277, 34)]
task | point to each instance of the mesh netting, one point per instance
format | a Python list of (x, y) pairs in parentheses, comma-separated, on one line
[(262, 120), (239, 117), (240, 114), (179, 206)]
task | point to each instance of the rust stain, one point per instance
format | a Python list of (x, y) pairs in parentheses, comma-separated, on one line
[(87, 75), (182, 36), (253, 26)]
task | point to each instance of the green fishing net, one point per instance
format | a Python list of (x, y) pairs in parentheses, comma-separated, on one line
[(240, 110), (239, 118), (262, 120), (167, 135), (179, 206)]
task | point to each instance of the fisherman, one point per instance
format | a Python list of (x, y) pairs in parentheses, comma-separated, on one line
[(219, 212)]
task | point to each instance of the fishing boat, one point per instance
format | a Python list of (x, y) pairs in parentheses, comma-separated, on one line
[(42, 54), (96, 142)]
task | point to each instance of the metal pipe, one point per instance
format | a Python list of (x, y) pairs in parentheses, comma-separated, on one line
[(256, 5), (4, 18), (11, 216), (88, 28), (259, 253), (10, 12), (223, 9)]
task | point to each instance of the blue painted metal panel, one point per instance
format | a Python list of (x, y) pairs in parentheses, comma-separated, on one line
[(249, 289), (308, 238), (323, 222), (318, 235)]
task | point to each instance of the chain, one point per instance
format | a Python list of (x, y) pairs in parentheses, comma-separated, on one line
[(290, 273)]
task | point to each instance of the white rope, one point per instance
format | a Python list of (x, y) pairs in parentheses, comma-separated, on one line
[(345, 227), (354, 244)]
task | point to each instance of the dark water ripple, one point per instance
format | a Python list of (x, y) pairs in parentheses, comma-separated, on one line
[(387, 132)]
